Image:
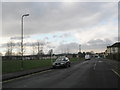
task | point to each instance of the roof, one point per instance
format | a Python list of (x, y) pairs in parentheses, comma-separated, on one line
[(117, 44)]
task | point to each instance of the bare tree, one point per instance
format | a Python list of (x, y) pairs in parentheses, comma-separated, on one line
[(34, 48), (50, 52), (38, 46), (8, 53), (24, 48), (18, 49), (10, 46), (40, 49), (1, 54)]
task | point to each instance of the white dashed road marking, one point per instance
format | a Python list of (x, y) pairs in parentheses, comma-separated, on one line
[(95, 65)]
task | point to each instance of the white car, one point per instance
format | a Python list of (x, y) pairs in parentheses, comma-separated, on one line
[(97, 56), (87, 57)]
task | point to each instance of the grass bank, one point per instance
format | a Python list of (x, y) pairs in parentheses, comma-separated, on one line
[(9, 66)]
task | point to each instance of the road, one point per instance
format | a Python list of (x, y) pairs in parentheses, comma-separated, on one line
[(95, 73)]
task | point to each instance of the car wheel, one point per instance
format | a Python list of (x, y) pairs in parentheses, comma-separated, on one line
[(53, 67), (66, 65)]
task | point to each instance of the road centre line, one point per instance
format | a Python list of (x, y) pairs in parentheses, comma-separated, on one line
[(95, 65), (84, 62), (116, 72), (25, 76)]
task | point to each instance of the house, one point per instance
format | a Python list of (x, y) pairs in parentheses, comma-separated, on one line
[(113, 49)]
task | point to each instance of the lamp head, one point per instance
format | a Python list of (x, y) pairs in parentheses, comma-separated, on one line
[(25, 15)]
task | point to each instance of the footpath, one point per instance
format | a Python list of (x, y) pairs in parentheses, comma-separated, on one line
[(8, 76)]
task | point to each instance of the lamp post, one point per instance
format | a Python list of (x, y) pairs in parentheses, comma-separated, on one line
[(22, 33), (79, 53), (79, 47), (22, 36)]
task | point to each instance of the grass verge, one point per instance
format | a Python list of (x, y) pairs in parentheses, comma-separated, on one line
[(10, 66)]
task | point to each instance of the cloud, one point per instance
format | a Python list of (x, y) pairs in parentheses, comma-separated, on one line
[(60, 25), (19, 38), (99, 42), (103, 31), (52, 17), (51, 45), (63, 35), (67, 48), (97, 45)]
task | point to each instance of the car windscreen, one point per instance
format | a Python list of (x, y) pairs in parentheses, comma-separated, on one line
[(60, 59)]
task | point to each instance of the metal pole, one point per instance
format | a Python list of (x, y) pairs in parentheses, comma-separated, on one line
[(51, 52), (38, 50), (51, 57), (22, 42), (79, 52), (79, 48), (22, 38)]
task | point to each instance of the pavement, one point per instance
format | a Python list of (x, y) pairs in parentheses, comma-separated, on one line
[(26, 72), (23, 73), (95, 73)]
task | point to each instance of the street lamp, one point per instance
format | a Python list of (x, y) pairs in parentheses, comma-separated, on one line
[(79, 47), (22, 34), (22, 38), (79, 51)]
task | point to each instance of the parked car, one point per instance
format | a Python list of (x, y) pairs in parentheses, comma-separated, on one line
[(97, 56), (62, 62), (87, 57)]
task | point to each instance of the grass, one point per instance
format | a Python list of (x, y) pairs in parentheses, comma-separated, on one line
[(76, 59), (16, 65), (9, 66)]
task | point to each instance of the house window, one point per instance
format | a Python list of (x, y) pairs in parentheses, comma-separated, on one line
[(116, 49), (113, 50)]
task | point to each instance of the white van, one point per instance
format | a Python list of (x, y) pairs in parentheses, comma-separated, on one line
[(87, 57)]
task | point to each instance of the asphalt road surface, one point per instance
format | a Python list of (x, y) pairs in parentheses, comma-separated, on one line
[(95, 73)]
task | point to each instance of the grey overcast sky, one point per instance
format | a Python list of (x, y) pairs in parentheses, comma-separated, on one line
[(62, 26)]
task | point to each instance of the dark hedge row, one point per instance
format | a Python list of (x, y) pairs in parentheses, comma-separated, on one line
[(114, 56)]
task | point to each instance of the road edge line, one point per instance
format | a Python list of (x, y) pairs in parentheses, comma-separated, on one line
[(25, 75), (116, 72)]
